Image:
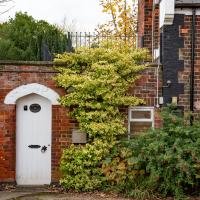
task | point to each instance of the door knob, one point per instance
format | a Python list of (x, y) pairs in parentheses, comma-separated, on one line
[(43, 149)]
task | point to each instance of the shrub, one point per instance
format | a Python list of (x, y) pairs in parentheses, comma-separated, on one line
[(169, 159), (81, 167), (96, 81), (24, 38)]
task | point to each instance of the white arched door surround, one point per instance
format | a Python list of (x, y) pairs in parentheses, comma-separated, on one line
[(33, 88), (33, 132)]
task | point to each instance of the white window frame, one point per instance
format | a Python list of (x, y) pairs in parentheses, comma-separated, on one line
[(151, 119)]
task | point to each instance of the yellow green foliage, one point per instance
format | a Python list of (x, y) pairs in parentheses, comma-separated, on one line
[(96, 81)]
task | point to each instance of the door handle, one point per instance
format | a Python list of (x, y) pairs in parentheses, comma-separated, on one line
[(43, 149), (34, 146)]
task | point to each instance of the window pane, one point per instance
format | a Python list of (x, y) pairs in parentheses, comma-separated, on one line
[(138, 114), (139, 126)]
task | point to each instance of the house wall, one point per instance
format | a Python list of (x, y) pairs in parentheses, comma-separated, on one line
[(147, 87), (174, 41), (148, 27), (176, 60), (184, 76), (13, 75), (156, 29), (145, 8)]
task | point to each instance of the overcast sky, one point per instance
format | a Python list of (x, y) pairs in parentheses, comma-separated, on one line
[(86, 14)]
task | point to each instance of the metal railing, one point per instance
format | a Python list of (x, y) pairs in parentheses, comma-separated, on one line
[(92, 40)]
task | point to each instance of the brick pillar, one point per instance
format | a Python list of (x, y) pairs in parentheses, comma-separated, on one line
[(145, 9), (156, 29)]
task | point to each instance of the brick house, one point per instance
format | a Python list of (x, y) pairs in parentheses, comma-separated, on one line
[(170, 30), (34, 128)]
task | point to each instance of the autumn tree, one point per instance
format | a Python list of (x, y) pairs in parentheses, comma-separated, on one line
[(123, 17)]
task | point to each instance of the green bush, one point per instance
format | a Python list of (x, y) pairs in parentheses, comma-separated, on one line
[(22, 38), (81, 167), (169, 159), (96, 82)]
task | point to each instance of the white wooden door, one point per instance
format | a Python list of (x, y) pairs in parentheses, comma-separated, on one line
[(33, 140)]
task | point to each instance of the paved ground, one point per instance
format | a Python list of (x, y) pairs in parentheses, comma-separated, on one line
[(42, 194), (31, 193), (35, 194)]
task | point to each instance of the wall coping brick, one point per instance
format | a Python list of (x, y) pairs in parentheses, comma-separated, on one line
[(31, 63), (50, 63)]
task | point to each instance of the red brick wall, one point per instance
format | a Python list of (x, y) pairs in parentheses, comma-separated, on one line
[(61, 124), (148, 25), (156, 28), (140, 28), (12, 76), (146, 88), (145, 23)]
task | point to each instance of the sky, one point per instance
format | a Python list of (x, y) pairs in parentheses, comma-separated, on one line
[(85, 15)]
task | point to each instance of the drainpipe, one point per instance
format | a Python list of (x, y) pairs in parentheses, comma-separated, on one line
[(153, 55), (157, 85), (193, 38)]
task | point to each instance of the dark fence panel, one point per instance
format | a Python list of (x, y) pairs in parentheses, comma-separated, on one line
[(92, 40), (83, 39)]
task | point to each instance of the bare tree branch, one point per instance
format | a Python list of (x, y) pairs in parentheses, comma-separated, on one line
[(5, 11), (3, 4), (5, 1)]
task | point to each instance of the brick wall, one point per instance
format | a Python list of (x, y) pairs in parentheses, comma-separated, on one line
[(184, 76), (12, 76), (140, 25), (172, 64), (156, 28), (181, 61), (146, 88), (145, 8)]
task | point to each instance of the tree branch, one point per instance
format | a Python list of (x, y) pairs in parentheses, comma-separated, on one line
[(2, 4)]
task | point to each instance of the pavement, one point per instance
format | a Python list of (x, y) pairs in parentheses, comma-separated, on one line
[(46, 194), (26, 193), (32, 196)]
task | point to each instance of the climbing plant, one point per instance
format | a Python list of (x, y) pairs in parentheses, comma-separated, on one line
[(96, 81)]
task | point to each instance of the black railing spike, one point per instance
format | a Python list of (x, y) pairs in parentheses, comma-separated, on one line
[(85, 39), (80, 38), (76, 40), (89, 40)]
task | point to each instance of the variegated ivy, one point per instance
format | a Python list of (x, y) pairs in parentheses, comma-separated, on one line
[(96, 81)]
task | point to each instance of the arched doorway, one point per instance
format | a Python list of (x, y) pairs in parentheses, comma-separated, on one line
[(33, 132)]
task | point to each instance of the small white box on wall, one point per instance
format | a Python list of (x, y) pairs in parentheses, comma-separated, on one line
[(161, 100)]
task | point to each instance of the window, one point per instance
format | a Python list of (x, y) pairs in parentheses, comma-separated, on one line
[(139, 119)]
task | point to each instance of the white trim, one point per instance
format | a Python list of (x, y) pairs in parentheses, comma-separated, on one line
[(167, 10), (151, 119), (33, 88), (186, 11)]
